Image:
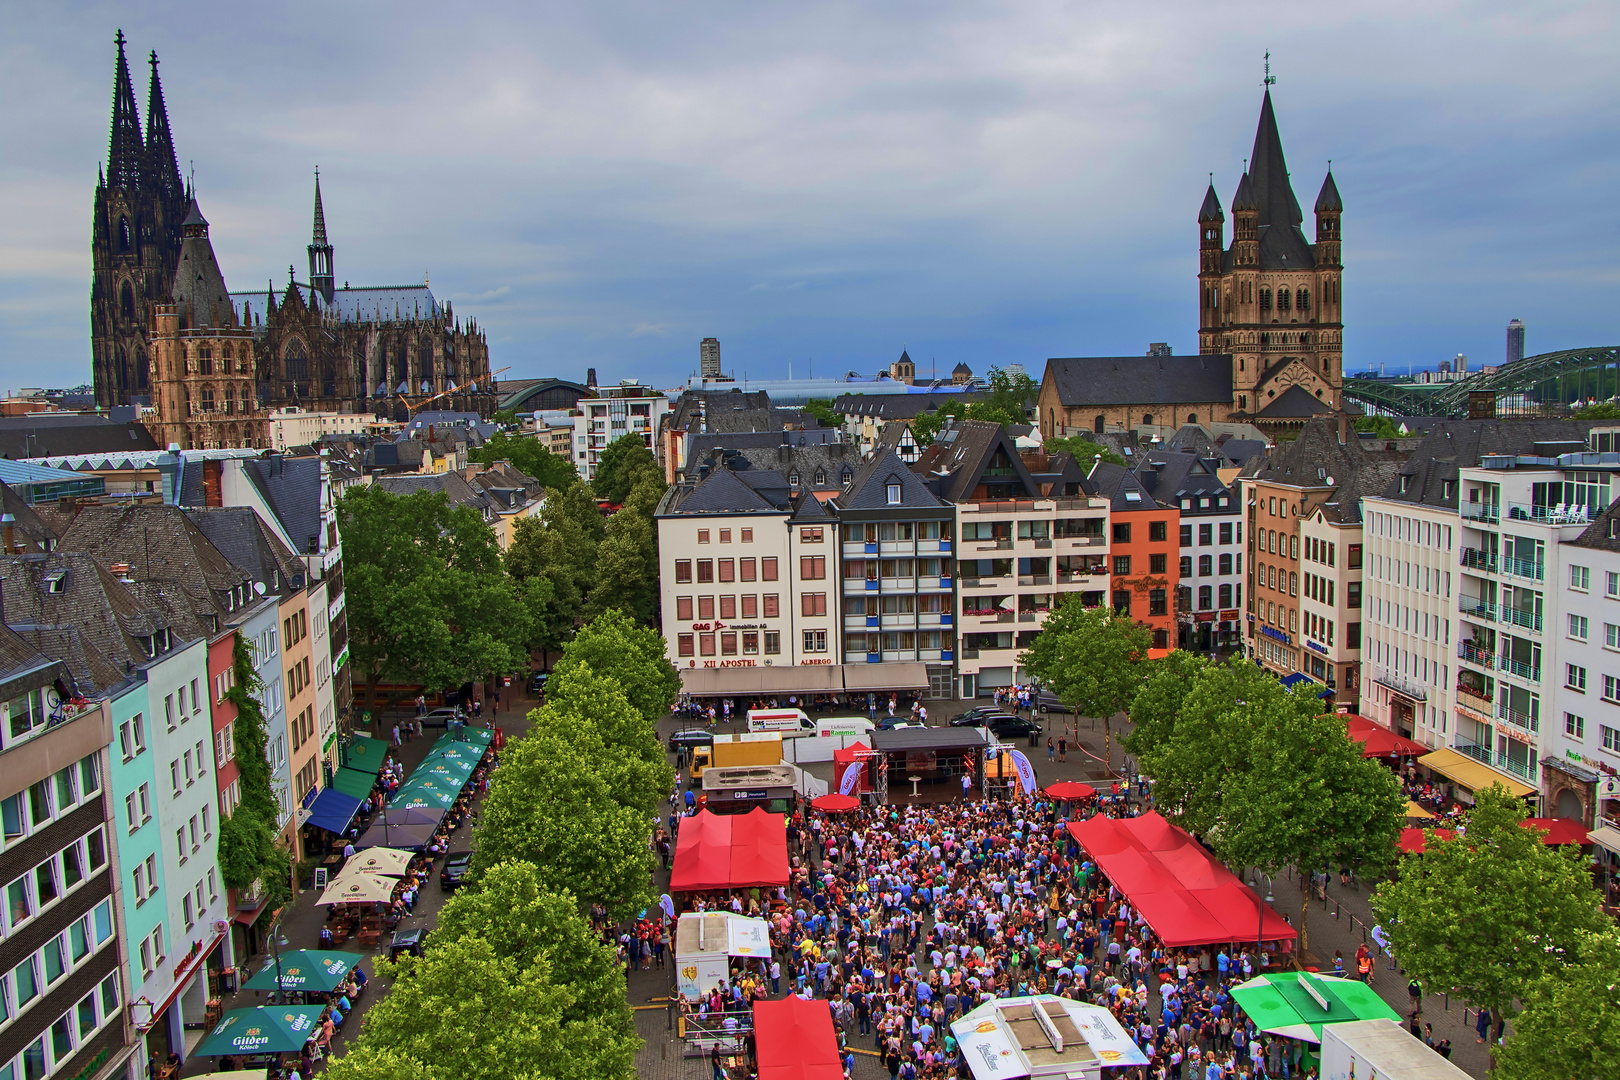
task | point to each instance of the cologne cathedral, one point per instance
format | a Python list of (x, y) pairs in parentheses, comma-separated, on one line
[(167, 333)]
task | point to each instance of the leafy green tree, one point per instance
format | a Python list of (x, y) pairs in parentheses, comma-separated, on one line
[(1006, 402), (556, 801), (1569, 1028), (1158, 703), (618, 466), (637, 656), (633, 758), (1083, 450), (822, 410), (524, 922), (1604, 410), (1092, 659), (626, 575), (430, 602), (249, 842), (461, 1012), (1493, 912), (528, 454), (1382, 427)]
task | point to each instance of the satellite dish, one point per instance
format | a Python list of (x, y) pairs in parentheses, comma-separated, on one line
[(258, 587), (1330, 482)]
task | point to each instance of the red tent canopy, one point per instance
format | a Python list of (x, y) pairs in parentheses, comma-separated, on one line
[(730, 851), (1558, 830), (1379, 741), (849, 757), (1183, 891), (794, 1040), (1413, 841), (835, 803), (1070, 789)]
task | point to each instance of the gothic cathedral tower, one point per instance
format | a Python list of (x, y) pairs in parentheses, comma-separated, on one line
[(135, 239), (1271, 299)]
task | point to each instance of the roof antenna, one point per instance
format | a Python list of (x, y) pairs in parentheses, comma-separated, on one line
[(1270, 80)]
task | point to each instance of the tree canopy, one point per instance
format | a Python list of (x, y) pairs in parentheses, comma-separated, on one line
[(822, 410), (621, 465), (1092, 659), (1569, 1028), (1006, 402), (1490, 913), (637, 656), (1083, 450), (528, 454)]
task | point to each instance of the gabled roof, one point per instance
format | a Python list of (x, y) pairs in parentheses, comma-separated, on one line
[(292, 487), (1604, 532), (40, 435), (1122, 489), (93, 623), (869, 490), (1142, 380), (721, 492), (241, 536), (961, 452), (1296, 401), (1451, 445), (900, 406), (1170, 476), (454, 488)]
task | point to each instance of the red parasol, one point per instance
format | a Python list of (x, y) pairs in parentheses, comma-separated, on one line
[(1070, 789), (835, 803)]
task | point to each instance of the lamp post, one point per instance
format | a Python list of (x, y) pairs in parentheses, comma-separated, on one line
[(1260, 913)]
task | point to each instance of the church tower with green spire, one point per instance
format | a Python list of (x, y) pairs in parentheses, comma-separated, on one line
[(1270, 300)]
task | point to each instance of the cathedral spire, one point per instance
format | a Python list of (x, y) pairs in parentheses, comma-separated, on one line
[(163, 169), (1269, 173), (125, 150), (321, 281)]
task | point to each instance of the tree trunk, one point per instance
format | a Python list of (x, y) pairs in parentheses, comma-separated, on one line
[(1304, 912), (1108, 741), (371, 699)]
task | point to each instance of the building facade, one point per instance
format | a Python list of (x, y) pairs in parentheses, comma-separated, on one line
[(627, 409)]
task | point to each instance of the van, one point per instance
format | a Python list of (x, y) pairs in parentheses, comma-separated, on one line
[(786, 721), (843, 725)]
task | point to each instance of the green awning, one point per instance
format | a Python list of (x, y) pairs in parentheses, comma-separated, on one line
[(450, 770), (365, 754), (354, 782), (477, 738), (1280, 1005), (428, 791)]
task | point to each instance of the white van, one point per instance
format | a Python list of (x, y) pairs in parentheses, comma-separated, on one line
[(791, 723)]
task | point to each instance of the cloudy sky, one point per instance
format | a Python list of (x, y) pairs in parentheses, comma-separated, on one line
[(822, 184)]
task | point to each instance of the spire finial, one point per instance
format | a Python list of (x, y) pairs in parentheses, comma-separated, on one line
[(120, 39), (1271, 80)]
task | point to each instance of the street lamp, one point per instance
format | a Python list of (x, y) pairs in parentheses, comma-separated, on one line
[(1260, 913)]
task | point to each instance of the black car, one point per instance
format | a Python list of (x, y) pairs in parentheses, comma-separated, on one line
[(685, 740), (537, 682), (975, 718), (1049, 702), (456, 865), (889, 723), (1015, 727), (405, 941)]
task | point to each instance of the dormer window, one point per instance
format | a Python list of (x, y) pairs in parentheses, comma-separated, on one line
[(1447, 488), (894, 494), (1406, 483), (56, 581), (793, 481), (821, 478)]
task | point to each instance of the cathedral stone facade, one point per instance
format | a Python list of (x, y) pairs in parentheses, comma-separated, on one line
[(166, 332)]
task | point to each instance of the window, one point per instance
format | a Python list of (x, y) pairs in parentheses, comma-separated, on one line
[(1122, 564), (1611, 738), (1206, 598), (683, 608), (1186, 566), (728, 607), (728, 643), (174, 776), (894, 494), (683, 570), (1611, 689), (811, 534), (1206, 535), (728, 570), (1613, 580), (750, 642), (813, 604), (769, 605), (767, 569), (750, 606), (705, 608), (705, 571), (1226, 532), (703, 536), (1122, 532), (746, 536), (1158, 530), (1577, 627), (1225, 594), (812, 567), (773, 643), (1352, 594), (1575, 677), (815, 641), (684, 644), (1158, 563), (1186, 536), (1580, 577), (1611, 636), (1574, 726), (1157, 602), (1206, 565), (1225, 564), (725, 536), (745, 569)]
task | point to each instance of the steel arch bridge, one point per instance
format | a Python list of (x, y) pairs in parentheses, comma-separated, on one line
[(1542, 385)]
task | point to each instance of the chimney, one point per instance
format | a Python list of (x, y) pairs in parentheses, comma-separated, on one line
[(9, 521), (1344, 428), (213, 494)]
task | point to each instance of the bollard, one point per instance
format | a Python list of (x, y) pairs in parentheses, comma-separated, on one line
[(1336, 910)]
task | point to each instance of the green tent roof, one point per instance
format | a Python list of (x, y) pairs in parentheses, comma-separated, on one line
[(1279, 1005), (365, 754)]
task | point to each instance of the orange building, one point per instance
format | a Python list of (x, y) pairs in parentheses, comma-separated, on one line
[(1143, 553)]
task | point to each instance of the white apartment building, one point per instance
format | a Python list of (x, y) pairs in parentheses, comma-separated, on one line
[(292, 426), (1331, 597), (627, 409), (1410, 572), (1581, 757)]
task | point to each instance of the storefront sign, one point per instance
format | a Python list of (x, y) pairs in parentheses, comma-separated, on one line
[(1278, 634), (816, 663), (759, 794), (1318, 648), (737, 663), (1230, 616), (342, 658)]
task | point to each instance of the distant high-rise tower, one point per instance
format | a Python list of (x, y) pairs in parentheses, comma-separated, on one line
[(709, 358), (1515, 341)]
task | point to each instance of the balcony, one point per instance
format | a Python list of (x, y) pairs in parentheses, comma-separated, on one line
[(1483, 561), (1027, 616), (1521, 669), (1472, 655), (1526, 723), (1004, 544), (1035, 579), (1085, 541), (1043, 542), (1561, 514), (1477, 706), (970, 654), (1491, 513), (1530, 620), (1475, 608), (1525, 568), (1500, 762)]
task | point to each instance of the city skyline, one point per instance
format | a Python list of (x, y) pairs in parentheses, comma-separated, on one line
[(971, 187)]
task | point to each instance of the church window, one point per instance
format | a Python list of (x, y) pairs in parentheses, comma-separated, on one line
[(1265, 299), (229, 401), (297, 362), (1282, 299), (126, 301), (205, 361), (124, 243), (1099, 425), (1243, 401), (207, 400), (1302, 300), (1192, 418), (1147, 418)]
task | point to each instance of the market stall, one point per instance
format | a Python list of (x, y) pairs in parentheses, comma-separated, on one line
[(1380, 742), (1043, 1036), (1299, 1004), (730, 851), (794, 1040), (1183, 892), (706, 943)]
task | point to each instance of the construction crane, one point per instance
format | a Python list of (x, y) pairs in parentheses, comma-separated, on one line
[(413, 407)]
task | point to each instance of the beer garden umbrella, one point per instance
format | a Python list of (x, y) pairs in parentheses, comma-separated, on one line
[(304, 969), (359, 889), (263, 1029), (378, 860)]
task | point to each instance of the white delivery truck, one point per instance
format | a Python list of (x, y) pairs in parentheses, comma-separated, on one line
[(792, 723), (1365, 1049)]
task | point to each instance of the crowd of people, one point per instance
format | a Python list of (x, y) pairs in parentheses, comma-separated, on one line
[(905, 918)]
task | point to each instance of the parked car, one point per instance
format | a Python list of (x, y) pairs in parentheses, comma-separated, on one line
[(537, 682), (456, 865), (685, 740), (1049, 702), (442, 717), (892, 723), (975, 718), (980, 711), (1015, 727)]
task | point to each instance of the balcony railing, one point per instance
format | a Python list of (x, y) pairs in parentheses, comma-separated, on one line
[(1478, 704), (1530, 620), (1002, 544), (1468, 652), (1484, 561), (1488, 512), (1499, 762), (1521, 669), (1558, 514), (1522, 721), (1086, 541), (1476, 608), (970, 654)]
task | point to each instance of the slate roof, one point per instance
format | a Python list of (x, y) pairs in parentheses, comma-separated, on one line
[(1282, 245), (30, 531), (960, 453), (1296, 401), (1210, 212), (24, 668), (94, 624), (869, 489), (292, 487), (1604, 532), (1327, 200), (240, 535), (1170, 476), (900, 406), (199, 285), (453, 487), (721, 492), (1370, 478), (1451, 445), (1141, 380), (52, 434), (1117, 484), (376, 303)]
